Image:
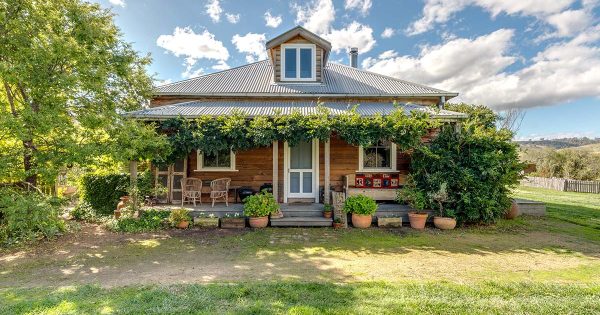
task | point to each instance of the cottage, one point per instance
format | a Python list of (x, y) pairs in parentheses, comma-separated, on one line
[(297, 76)]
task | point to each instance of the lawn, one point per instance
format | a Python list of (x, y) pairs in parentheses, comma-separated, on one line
[(527, 265)]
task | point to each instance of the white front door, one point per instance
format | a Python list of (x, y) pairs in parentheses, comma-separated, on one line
[(302, 172)]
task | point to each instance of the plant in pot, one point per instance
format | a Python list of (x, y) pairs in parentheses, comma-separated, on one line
[(258, 208), (180, 218), (327, 211), (158, 194), (233, 221), (446, 220), (337, 223), (362, 209), (417, 200)]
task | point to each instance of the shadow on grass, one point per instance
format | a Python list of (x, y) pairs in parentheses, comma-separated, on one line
[(302, 297)]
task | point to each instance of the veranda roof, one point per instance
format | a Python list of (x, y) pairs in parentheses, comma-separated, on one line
[(193, 109)]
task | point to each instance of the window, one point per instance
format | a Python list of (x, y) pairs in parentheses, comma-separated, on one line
[(220, 161), (298, 62), (379, 156)]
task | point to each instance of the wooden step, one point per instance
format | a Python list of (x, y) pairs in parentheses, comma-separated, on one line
[(302, 221)]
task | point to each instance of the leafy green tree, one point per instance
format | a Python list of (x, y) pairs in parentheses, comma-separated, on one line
[(65, 75)]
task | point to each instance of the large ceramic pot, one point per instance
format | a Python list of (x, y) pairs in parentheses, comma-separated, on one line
[(259, 222), (417, 220), (443, 223), (122, 204), (513, 211), (361, 221)]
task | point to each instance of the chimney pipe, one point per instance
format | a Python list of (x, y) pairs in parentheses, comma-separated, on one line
[(354, 57)]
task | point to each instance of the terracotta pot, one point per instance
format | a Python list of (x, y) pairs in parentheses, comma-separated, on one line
[(338, 225), (259, 222), (513, 211), (444, 223), (117, 214), (361, 221), (327, 214), (417, 220), (183, 225)]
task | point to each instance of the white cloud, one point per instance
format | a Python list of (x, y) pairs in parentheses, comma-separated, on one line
[(221, 65), (162, 82), (362, 5), (120, 3), (388, 32), (354, 35), (190, 73), (570, 22), (184, 42), (232, 18), (477, 68), (214, 10), (272, 21), (315, 16), (441, 11), (252, 44)]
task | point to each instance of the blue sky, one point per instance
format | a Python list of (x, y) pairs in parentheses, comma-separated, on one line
[(541, 56)]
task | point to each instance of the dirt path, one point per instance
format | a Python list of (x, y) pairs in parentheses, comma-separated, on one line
[(93, 255)]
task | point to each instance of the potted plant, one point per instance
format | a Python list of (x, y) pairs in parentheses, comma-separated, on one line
[(327, 211), (417, 200), (206, 220), (337, 223), (447, 221), (258, 208), (233, 221), (362, 209), (158, 194), (180, 218)]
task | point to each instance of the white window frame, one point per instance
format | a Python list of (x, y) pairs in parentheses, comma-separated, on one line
[(313, 47), (393, 161), (201, 168)]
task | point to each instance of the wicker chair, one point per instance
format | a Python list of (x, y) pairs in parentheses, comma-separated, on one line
[(219, 188), (191, 189)]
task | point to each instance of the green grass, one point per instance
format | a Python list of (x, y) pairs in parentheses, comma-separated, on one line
[(581, 209), (307, 298)]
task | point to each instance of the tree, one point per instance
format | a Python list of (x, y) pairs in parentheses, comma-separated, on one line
[(65, 76)]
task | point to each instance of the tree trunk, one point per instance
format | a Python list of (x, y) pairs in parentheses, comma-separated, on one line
[(28, 163)]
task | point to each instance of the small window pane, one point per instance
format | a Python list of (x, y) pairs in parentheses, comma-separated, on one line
[(383, 157), (378, 155), (210, 160), (294, 182), (305, 63), (307, 182), (290, 63), (370, 158)]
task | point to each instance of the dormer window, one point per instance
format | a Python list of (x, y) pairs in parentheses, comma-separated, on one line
[(298, 62)]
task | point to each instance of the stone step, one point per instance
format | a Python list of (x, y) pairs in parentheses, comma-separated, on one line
[(302, 213), (302, 221)]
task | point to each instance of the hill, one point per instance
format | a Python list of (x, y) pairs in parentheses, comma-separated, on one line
[(560, 143)]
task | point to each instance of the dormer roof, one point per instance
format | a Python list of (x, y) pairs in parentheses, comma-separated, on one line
[(306, 34)]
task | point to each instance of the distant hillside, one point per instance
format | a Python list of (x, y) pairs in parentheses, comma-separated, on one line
[(560, 143)]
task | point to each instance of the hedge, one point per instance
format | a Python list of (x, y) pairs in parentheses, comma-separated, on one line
[(102, 191)]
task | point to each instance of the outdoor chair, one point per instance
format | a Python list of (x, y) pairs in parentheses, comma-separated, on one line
[(219, 188), (191, 189)]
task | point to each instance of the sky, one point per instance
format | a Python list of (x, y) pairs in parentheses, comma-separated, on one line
[(538, 56)]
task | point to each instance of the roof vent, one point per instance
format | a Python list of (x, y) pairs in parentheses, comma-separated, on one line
[(354, 57)]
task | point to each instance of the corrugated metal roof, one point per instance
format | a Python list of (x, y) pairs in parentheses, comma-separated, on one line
[(256, 79), (257, 108)]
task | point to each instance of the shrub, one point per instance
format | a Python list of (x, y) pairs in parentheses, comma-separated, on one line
[(84, 211), (260, 205), (360, 204), (479, 164), (179, 215), (27, 216), (102, 191), (148, 221)]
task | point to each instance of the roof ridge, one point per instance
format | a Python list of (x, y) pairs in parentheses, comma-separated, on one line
[(387, 76), (210, 74)]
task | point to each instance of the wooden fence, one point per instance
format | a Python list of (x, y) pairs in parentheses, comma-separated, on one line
[(563, 184)]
